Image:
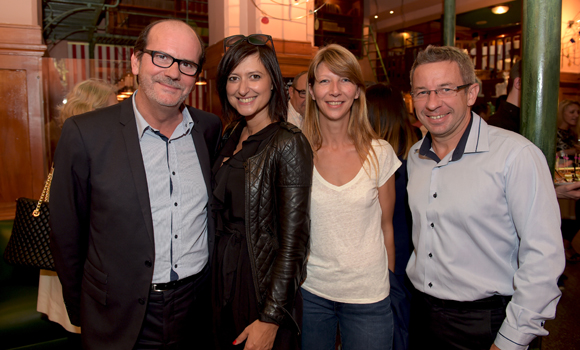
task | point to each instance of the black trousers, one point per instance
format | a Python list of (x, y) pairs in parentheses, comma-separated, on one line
[(179, 318), (443, 324)]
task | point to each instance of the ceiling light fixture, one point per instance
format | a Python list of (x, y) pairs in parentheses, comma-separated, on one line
[(499, 10)]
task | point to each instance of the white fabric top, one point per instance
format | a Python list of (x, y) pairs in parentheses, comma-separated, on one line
[(348, 259), (50, 301), (486, 222), (294, 117)]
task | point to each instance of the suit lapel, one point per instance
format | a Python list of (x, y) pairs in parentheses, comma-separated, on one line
[(201, 149), (129, 130)]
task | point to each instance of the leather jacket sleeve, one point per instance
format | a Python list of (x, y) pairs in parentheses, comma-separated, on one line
[(292, 181)]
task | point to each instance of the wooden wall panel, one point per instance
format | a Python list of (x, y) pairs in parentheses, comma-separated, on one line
[(14, 131), (23, 145)]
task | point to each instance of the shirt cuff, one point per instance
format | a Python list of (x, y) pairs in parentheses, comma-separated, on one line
[(509, 338)]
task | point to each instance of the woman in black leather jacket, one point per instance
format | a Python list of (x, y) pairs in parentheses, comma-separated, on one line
[(262, 176)]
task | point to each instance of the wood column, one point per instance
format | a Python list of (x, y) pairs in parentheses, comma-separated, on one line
[(449, 23), (541, 73)]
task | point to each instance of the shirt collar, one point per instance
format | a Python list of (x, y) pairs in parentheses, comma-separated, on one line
[(473, 140), (182, 129)]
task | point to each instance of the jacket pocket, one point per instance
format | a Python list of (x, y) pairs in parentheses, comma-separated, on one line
[(95, 283)]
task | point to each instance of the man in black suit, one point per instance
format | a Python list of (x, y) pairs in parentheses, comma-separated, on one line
[(131, 235)]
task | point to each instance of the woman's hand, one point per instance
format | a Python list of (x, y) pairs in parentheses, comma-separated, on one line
[(258, 336)]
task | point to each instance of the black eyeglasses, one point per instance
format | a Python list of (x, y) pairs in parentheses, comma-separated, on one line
[(163, 60), (254, 39), (441, 92), (301, 93)]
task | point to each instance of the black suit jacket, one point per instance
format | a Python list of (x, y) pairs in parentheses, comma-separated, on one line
[(102, 229)]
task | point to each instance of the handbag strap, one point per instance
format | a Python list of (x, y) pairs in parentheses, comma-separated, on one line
[(45, 193)]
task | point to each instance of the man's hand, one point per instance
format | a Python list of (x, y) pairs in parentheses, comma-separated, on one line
[(568, 191), (258, 336), (493, 347)]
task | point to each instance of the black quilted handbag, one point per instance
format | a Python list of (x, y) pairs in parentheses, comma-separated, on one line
[(29, 242)]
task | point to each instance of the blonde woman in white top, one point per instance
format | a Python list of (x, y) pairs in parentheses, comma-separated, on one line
[(84, 97), (352, 203)]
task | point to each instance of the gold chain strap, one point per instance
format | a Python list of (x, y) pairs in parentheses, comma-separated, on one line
[(45, 193)]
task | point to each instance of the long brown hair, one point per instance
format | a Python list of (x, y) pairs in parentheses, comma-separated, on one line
[(341, 62), (389, 117)]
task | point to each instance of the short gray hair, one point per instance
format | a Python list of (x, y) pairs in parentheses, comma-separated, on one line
[(433, 54)]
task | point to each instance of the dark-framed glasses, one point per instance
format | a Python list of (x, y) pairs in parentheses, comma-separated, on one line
[(443, 92), (163, 60), (254, 39), (301, 93)]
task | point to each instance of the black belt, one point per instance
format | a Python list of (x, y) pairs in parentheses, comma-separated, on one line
[(493, 302), (161, 287)]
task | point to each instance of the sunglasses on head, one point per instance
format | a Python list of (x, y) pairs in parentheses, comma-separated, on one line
[(254, 39)]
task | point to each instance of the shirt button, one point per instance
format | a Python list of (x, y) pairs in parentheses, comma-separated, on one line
[(175, 203), (148, 263), (432, 225), (430, 255), (173, 172), (430, 284), (141, 301), (175, 265), (435, 195), (175, 236)]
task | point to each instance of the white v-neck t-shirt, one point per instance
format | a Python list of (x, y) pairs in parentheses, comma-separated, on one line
[(348, 259)]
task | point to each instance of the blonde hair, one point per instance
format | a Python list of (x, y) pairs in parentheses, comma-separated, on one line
[(341, 62), (561, 108), (84, 97)]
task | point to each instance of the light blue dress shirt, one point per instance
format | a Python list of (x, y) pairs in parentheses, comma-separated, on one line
[(486, 222), (178, 198)]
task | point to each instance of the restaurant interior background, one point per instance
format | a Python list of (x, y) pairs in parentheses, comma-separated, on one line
[(47, 46)]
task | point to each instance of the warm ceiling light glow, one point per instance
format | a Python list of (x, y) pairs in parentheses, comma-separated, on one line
[(498, 10), (376, 16), (391, 12)]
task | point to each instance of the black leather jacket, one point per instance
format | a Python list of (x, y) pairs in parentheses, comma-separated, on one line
[(277, 186)]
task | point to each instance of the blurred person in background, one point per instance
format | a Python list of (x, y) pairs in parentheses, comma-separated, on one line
[(567, 135), (297, 104), (389, 117), (86, 96), (507, 114)]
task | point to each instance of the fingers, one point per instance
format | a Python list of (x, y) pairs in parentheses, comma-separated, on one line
[(242, 337)]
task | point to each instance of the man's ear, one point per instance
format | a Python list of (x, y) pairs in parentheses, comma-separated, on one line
[(135, 64), (472, 92), (518, 83)]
